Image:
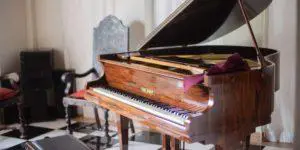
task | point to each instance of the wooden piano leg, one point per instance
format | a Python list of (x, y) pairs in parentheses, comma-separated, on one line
[(174, 144), (122, 124), (170, 143), (165, 142)]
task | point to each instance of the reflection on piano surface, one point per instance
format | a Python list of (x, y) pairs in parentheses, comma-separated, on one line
[(169, 88), (223, 109)]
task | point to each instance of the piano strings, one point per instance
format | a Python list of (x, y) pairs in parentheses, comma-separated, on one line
[(196, 64)]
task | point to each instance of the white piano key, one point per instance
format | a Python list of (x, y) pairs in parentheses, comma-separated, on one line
[(142, 104)]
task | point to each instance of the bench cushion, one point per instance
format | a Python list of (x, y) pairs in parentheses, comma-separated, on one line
[(6, 94), (78, 94)]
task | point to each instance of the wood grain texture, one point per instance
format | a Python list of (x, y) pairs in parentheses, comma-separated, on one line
[(170, 143), (165, 142), (122, 125), (239, 102), (159, 87), (236, 112), (174, 144)]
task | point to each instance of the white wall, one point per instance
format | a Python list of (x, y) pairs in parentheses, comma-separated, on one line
[(67, 26), (297, 111), (12, 34), (48, 28), (283, 37)]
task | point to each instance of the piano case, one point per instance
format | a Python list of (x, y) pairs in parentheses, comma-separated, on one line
[(226, 107)]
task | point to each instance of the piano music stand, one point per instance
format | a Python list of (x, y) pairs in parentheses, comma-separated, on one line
[(111, 36)]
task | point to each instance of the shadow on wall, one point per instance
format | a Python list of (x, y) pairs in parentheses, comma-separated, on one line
[(59, 59), (9, 62), (136, 34)]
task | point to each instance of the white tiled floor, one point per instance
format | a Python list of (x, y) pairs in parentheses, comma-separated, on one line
[(59, 123), (101, 134), (7, 142), (137, 146), (5, 131), (274, 148), (144, 146), (199, 146)]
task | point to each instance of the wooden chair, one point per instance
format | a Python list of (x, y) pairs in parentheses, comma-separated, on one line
[(111, 36), (9, 96)]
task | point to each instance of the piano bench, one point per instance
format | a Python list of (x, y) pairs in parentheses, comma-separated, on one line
[(71, 101)]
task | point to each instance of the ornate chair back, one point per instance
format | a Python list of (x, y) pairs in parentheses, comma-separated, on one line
[(111, 36)]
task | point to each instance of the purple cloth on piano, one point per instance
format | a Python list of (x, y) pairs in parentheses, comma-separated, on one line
[(234, 63)]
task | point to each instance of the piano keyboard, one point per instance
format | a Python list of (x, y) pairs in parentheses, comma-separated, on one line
[(170, 113)]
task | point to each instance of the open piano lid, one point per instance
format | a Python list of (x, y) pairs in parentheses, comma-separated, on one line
[(197, 21)]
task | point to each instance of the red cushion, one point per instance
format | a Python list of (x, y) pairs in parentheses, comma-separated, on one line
[(7, 93), (78, 94)]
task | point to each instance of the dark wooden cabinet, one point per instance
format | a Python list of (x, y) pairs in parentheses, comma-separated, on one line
[(37, 84)]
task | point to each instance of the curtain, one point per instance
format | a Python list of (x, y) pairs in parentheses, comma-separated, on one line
[(282, 36)]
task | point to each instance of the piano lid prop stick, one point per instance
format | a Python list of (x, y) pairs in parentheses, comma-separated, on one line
[(194, 70), (259, 54)]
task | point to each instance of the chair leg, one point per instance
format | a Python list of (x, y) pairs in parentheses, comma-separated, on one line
[(106, 115), (22, 120), (68, 118), (97, 118)]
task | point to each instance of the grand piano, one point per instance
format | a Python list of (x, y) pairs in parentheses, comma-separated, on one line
[(167, 84)]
